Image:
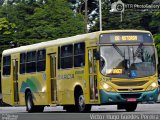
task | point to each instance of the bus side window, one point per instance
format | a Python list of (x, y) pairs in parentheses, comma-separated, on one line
[(6, 65), (41, 60), (67, 56), (59, 57), (31, 62), (79, 55), (22, 63)]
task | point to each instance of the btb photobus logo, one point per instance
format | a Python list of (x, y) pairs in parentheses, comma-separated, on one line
[(117, 6)]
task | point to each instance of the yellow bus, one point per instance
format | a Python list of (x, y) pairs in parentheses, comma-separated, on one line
[(114, 67)]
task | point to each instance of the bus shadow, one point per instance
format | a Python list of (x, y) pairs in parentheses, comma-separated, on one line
[(85, 112)]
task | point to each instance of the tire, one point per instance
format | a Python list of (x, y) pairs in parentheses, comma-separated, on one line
[(30, 105), (130, 107), (29, 102), (80, 103)]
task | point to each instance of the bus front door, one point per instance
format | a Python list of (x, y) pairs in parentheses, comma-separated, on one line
[(15, 80), (53, 78), (92, 74)]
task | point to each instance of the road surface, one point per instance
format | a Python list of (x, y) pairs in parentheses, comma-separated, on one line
[(109, 112)]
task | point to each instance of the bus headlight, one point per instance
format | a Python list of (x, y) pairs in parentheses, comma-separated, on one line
[(153, 86), (106, 87)]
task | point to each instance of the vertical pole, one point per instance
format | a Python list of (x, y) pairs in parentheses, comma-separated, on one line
[(100, 15), (121, 17), (86, 15)]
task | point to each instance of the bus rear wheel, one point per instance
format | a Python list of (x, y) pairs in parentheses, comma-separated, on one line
[(30, 105), (80, 103), (130, 107)]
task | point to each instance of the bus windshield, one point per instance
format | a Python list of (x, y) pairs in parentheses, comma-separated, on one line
[(127, 61)]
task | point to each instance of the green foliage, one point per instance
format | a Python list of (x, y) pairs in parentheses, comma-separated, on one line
[(36, 21), (6, 28), (54, 20), (131, 19), (92, 8)]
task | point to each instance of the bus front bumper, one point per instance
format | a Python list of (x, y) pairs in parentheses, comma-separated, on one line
[(121, 97)]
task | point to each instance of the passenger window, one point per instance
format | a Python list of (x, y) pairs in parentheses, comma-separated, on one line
[(79, 55), (6, 65), (22, 63), (41, 60), (67, 56), (31, 62), (59, 57)]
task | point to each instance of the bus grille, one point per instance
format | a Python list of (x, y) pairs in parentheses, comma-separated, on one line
[(130, 83), (130, 95), (130, 90)]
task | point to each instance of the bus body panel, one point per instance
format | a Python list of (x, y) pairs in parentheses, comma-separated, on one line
[(6, 91), (36, 82)]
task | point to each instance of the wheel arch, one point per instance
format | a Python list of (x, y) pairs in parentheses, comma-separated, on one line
[(77, 88)]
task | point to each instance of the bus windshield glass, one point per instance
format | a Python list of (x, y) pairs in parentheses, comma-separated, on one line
[(127, 61)]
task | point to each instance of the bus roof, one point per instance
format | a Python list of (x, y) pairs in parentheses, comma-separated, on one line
[(63, 41)]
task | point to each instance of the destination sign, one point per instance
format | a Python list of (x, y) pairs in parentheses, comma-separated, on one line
[(129, 37), (126, 38)]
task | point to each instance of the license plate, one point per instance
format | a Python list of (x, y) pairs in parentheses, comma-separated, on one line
[(131, 99)]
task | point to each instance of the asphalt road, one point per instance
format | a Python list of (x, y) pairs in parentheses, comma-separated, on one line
[(110, 112)]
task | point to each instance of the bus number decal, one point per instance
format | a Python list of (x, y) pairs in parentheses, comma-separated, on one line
[(114, 71), (65, 76), (117, 71)]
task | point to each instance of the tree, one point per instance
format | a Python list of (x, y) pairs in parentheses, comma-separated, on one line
[(53, 20), (30, 22), (131, 19), (38, 21), (92, 9), (6, 30)]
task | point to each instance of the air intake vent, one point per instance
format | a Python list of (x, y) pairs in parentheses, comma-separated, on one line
[(130, 90), (130, 95), (130, 83)]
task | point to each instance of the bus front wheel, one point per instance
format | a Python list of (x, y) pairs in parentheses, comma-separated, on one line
[(29, 102), (129, 107), (30, 105), (80, 103)]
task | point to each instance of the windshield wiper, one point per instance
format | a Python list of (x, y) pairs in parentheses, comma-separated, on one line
[(118, 50), (139, 52), (125, 61)]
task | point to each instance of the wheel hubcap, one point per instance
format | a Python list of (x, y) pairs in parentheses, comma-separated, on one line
[(29, 103), (81, 103)]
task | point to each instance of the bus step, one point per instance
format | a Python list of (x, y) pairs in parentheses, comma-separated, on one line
[(53, 105)]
